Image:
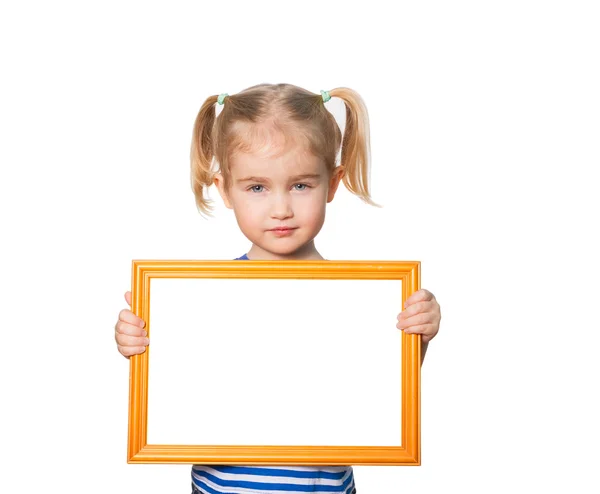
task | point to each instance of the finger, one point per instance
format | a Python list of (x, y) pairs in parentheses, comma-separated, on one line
[(129, 317), (418, 296), (427, 331), (128, 351), (415, 308), (416, 320), (129, 340), (128, 298), (129, 329)]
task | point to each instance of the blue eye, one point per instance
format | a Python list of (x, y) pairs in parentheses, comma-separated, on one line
[(253, 190), (304, 185)]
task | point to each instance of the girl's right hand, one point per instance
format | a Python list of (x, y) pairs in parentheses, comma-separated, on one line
[(129, 333)]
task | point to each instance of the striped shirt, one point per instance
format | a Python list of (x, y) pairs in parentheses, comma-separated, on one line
[(221, 479), (213, 479)]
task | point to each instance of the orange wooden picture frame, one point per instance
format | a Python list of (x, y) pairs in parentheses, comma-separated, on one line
[(407, 453)]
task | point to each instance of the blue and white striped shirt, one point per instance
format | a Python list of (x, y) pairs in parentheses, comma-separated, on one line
[(221, 479), (271, 479)]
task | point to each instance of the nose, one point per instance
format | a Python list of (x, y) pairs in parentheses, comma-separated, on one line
[(281, 207)]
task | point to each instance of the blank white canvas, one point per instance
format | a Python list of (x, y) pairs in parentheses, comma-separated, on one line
[(274, 362)]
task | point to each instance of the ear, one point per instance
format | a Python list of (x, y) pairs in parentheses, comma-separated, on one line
[(220, 183), (334, 181)]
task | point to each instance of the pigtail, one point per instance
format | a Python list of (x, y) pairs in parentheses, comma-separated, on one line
[(356, 146), (202, 153)]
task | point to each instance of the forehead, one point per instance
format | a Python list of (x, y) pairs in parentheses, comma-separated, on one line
[(275, 161)]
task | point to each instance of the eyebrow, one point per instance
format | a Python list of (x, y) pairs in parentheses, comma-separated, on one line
[(263, 179)]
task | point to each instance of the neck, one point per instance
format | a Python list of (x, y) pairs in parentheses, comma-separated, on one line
[(307, 252)]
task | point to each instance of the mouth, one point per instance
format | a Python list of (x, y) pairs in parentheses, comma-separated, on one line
[(282, 231)]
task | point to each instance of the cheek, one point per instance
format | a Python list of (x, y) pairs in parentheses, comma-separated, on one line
[(248, 223), (313, 209), (248, 210)]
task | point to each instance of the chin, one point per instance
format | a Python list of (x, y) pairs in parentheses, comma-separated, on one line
[(282, 247), (283, 250)]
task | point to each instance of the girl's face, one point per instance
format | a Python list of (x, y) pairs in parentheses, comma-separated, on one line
[(289, 190)]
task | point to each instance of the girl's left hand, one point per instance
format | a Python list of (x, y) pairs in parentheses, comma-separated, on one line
[(421, 315)]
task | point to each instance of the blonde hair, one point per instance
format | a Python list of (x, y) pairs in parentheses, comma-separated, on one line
[(251, 118)]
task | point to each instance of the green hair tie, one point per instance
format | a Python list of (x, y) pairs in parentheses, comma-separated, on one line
[(325, 95), (222, 98)]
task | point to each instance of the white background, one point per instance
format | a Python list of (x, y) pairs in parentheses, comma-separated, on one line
[(275, 371), (485, 137)]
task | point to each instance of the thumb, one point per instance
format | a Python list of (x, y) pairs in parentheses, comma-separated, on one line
[(128, 298)]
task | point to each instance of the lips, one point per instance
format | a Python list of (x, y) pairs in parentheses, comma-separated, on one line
[(282, 231)]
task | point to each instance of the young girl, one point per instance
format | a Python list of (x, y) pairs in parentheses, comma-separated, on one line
[(275, 146)]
